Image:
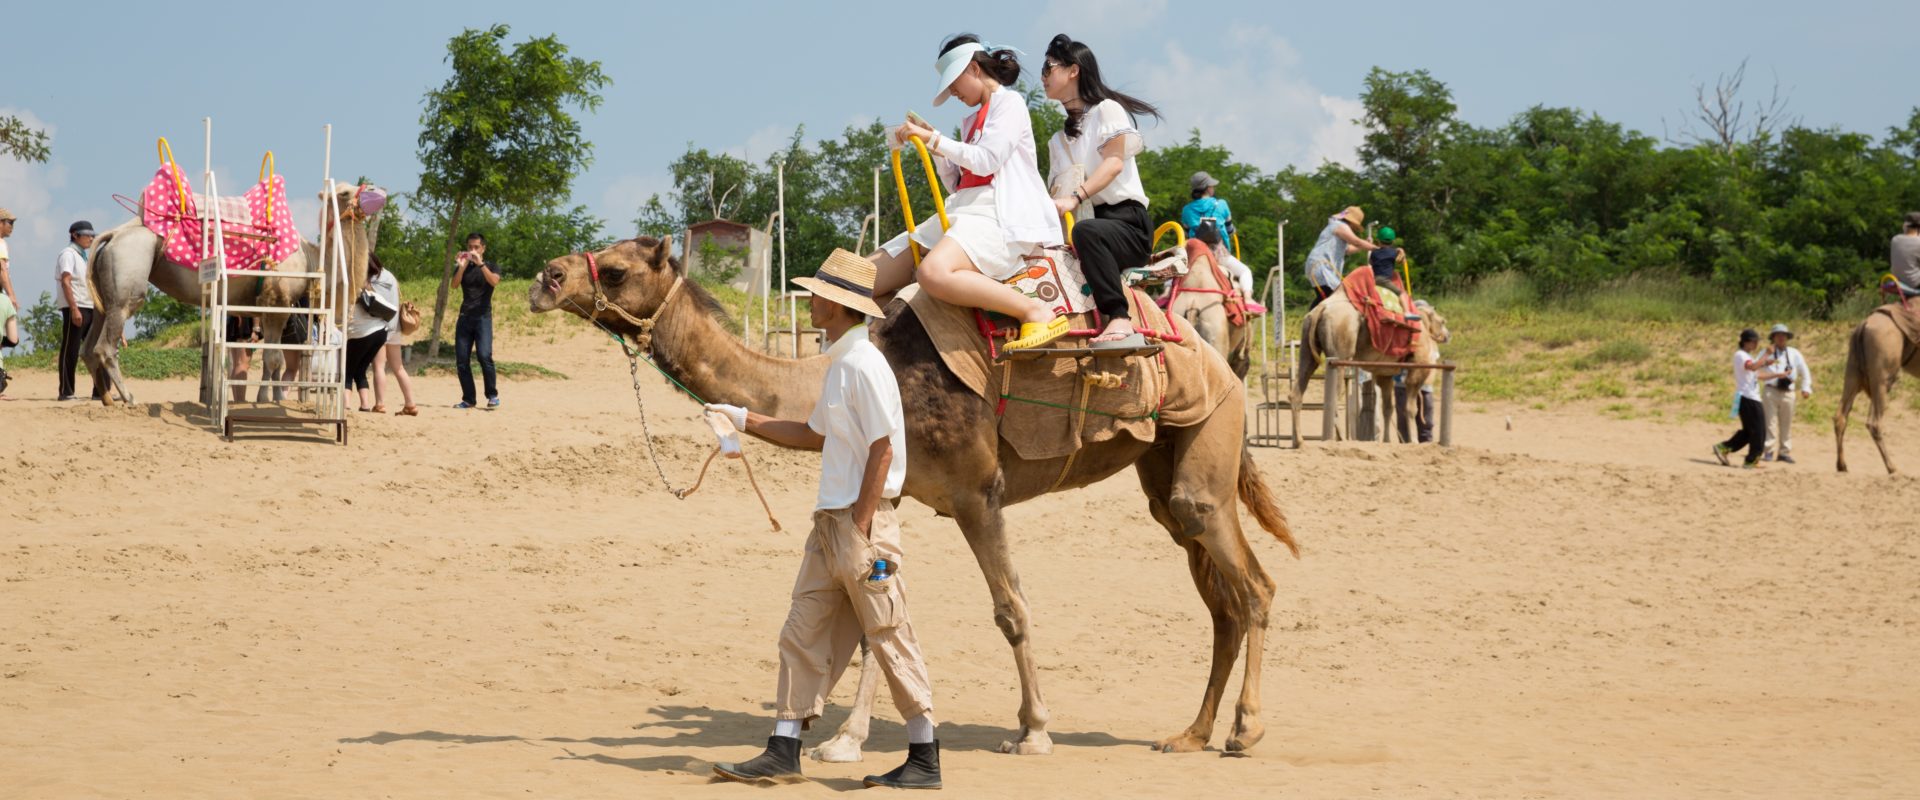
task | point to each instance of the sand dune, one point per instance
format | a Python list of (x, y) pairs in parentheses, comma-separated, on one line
[(508, 604)]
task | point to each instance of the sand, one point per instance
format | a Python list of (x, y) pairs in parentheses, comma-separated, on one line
[(508, 604)]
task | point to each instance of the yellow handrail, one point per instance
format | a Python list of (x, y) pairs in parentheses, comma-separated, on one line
[(266, 172), (1068, 217), (1236, 244), (179, 183), (1179, 235), (906, 203)]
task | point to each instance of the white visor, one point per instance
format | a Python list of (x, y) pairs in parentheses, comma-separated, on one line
[(950, 64)]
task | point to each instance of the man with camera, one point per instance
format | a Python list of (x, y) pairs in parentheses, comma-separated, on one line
[(474, 329), (1780, 395)]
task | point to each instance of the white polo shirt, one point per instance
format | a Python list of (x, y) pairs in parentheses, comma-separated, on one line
[(74, 263), (859, 403)]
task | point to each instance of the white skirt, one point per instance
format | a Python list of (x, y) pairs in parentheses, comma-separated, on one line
[(976, 227)]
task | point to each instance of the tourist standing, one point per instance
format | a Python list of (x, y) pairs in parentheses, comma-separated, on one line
[(474, 329), (9, 310), (76, 305), (378, 302), (1091, 161), (850, 576), (393, 355), (1327, 262), (1747, 377), (1780, 395)]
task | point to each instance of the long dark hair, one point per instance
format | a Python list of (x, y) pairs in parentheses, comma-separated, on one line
[(1001, 65), (1069, 53)]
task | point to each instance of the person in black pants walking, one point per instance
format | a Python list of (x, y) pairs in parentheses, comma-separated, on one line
[(1747, 377), (1091, 162), (474, 329), (75, 302)]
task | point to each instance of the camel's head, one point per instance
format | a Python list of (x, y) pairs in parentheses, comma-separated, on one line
[(635, 274), (1436, 325)]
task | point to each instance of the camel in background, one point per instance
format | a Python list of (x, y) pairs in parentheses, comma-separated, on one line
[(1202, 299), (1337, 329), (1877, 352)]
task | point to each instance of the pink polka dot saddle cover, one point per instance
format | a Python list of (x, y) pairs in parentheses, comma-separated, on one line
[(258, 227)]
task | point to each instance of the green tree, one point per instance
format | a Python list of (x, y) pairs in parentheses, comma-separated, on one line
[(500, 132), (20, 142), (41, 323)]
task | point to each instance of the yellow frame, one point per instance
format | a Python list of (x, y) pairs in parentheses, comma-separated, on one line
[(906, 203)]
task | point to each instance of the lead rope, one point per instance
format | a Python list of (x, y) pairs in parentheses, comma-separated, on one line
[(646, 431)]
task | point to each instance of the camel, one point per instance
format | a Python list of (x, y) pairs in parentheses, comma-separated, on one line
[(1201, 299), (128, 257), (1877, 352), (1336, 328), (958, 466)]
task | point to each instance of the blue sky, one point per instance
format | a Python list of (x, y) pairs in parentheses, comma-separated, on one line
[(1274, 81)]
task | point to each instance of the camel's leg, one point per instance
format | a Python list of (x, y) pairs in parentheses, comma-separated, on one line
[(1307, 364), (1840, 418), (845, 745), (271, 360), (1156, 477), (101, 349), (985, 530), (1877, 396)]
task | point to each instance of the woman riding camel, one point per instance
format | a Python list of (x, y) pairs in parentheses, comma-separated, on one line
[(1092, 163), (1328, 259), (999, 209)]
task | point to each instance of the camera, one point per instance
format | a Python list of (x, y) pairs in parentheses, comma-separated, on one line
[(1783, 384)]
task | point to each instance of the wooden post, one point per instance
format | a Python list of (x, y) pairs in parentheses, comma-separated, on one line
[(1446, 408), (1327, 382)]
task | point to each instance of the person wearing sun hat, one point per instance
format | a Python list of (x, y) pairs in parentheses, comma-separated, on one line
[(1780, 395), (849, 584), (1327, 262), (999, 209)]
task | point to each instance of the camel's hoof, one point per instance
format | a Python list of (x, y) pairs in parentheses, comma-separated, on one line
[(841, 749), (1032, 744), (1183, 743), (1245, 736)]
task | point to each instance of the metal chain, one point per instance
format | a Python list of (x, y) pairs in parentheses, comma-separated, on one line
[(646, 432)]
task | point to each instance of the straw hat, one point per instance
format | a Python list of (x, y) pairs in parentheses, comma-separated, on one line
[(1355, 217), (846, 279), (7, 216)]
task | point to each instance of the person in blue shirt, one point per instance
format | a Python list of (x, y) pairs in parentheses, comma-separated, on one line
[(1208, 211)]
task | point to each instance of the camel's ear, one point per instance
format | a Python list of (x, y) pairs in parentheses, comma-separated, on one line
[(662, 255)]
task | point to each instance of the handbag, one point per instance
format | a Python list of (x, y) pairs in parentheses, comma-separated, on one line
[(377, 306), (409, 319)]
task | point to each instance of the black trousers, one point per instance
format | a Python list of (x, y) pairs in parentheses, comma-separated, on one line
[(1115, 240), (360, 353), (1753, 430), (1320, 295), (71, 337)]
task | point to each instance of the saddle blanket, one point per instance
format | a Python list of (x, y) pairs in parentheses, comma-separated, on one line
[(1039, 401), (258, 226), (1388, 330)]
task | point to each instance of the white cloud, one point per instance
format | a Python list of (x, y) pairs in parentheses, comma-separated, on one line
[(28, 190), (1245, 94)]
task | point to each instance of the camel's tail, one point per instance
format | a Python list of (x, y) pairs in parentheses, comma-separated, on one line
[(1259, 500), (1309, 358)]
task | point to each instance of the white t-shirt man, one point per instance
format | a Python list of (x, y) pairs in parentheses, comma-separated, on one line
[(71, 262), (859, 403)]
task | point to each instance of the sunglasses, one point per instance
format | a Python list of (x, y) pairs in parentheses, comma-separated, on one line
[(1049, 67)]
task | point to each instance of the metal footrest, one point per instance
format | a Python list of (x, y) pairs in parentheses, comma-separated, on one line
[(1037, 353), (287, 384), (339, 423)]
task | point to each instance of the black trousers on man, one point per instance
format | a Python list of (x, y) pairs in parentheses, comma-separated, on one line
[(1753, 430), (71, 338), (1114, 241)]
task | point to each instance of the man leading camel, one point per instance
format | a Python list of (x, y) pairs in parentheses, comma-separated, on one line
[(848, 583)]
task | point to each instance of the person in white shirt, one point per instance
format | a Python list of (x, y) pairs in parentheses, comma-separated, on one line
[(850, 576), (75, 302), (1747, 377), (9, 310), (367, 329), (999, 209), (1780, 395), (1091, 165)]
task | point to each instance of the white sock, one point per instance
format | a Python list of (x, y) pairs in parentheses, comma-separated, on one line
[(920, 729), (789, 728)]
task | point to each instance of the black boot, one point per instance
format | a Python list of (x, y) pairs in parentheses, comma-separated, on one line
[(779, 764), (922, 770)]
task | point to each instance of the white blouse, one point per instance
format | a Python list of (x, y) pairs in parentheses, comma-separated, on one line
[(1101, 124), (1004, 149)]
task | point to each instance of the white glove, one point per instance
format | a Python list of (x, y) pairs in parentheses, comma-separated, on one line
[(735, 414)]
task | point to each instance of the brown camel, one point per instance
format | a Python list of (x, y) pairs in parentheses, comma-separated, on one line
[(1877, 352), (1337, 329), (1202, 301), (958, 466)]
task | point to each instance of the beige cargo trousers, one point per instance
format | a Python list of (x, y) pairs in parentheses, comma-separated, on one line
[(834, 604)]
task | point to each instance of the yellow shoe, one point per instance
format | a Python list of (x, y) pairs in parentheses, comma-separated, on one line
[(1039, 334)]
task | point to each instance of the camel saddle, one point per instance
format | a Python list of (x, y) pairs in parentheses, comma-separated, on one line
[(1388, 329), (257, 227), (1052, 406), (1905, 317)]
